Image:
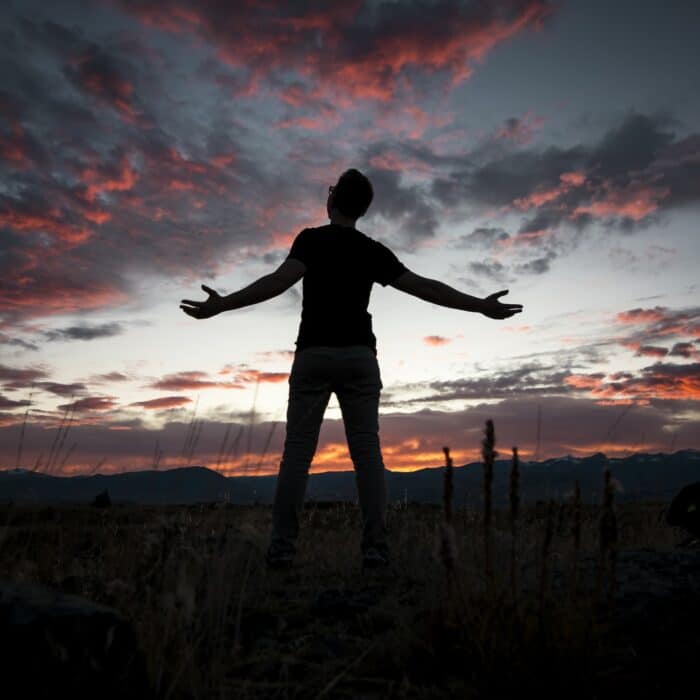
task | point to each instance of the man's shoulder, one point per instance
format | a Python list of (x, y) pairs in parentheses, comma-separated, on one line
[(325, 232), (328, 228)]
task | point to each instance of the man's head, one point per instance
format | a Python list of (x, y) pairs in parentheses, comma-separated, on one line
[(351, 196)]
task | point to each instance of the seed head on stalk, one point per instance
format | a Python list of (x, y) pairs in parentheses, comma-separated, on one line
[(577, 539), (489, 455), (514, 507), (608, 540)]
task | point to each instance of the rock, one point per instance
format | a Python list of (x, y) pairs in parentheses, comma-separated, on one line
[(102, 500), (684, 510), (54, 644)]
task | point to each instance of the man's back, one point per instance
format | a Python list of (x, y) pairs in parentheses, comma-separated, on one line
[(341, 263)]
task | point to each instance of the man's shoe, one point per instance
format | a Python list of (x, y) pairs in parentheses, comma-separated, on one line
[(374, 559), (279, 560)]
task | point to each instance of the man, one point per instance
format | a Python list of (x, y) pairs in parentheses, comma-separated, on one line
[(336, 352)]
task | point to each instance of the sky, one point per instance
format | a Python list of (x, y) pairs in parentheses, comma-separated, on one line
[(547, 148)]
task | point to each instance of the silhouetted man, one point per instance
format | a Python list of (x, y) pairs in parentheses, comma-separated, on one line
[(336, 352)]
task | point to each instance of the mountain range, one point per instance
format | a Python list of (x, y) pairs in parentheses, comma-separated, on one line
[(639, 477)]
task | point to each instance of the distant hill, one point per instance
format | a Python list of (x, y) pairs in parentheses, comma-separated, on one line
[(640, 477)]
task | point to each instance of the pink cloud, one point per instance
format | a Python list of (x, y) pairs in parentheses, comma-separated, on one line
[(436, 340), (163, 402), (635, 202)]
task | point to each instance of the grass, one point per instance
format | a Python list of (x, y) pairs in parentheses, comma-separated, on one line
[(210, 618), (455, 618), (479, 603)]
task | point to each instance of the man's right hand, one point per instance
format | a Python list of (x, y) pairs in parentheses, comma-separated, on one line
[(494, 309)]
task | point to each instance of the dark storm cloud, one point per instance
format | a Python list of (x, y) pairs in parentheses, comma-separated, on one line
[(85, 332)]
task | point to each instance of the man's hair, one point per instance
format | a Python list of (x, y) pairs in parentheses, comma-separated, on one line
[(353, 194)]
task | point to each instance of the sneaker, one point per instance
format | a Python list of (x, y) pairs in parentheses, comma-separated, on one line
[(373, 558)]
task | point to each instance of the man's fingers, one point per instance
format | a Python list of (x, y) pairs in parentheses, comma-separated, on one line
[(191, 303), (209, 290)]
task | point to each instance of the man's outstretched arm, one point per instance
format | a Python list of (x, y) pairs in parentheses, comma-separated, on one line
[(267, 287), (442, 294)]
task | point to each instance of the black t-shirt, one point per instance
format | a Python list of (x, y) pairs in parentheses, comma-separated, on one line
[(341, 265)]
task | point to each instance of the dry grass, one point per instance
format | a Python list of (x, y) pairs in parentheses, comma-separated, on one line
[(479, 603)]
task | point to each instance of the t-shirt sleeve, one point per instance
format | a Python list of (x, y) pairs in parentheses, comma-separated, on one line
[(386, 266), (301, 247)]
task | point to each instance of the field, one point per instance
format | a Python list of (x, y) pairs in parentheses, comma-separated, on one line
[(460, 613)]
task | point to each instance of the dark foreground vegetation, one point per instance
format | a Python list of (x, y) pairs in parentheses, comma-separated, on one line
[(460, 613)]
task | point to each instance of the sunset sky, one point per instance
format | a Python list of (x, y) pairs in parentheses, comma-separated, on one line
[(548, 148)]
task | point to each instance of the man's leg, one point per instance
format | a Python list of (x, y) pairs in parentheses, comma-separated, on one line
[(309, 392), (358, 395)]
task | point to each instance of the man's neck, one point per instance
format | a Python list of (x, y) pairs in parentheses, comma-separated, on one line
[(343, 221)]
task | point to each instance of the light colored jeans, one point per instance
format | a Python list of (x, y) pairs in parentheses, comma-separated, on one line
[(352, 372)]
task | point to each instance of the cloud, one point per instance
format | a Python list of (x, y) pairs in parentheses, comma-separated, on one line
[(651, 351), (100, 75), (110, 377), (187, 381), (367, 49), (404, 206), (6, 403), (24, 344), (684, 350), (569, 425), (15, 378), (482, 236), (244, 375), (436, 340), (492, 269), (521, 130), (286, 355), (660, 323), (537, 266), (528, 379), (60, 389), (85, 332), (639, 167), (642, 315), (657, 381), (91, 403), (164, 402)]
